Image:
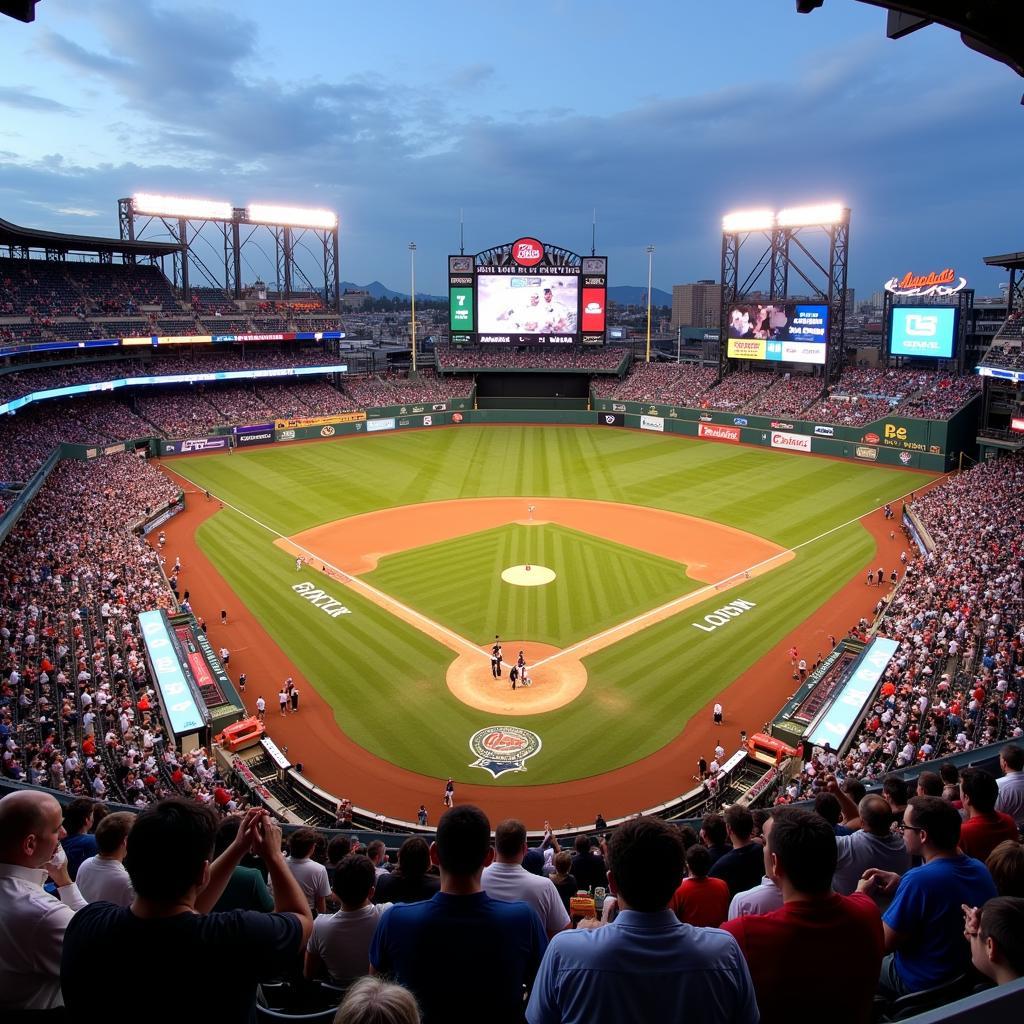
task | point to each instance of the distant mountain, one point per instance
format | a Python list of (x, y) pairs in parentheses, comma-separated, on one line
[(630, 295), (380, 291)]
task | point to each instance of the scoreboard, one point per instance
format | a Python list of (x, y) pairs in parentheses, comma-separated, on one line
[(527, 293)]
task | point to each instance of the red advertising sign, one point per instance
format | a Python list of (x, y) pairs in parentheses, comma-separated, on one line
[(593, 309), (1017, 423), (527, 252), (718, 433)]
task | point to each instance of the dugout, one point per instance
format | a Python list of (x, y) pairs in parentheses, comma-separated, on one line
[(533, 390)]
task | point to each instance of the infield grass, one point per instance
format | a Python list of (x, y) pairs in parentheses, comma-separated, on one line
[(385, 680), (598, 584)]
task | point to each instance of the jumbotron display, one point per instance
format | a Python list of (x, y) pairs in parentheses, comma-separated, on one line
[(923, 331), (788, 332), (527, 293)]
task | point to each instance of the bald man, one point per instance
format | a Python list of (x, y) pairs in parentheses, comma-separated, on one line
[(32, 922)]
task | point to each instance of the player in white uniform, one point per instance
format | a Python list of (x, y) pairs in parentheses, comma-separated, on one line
[(556, 316)]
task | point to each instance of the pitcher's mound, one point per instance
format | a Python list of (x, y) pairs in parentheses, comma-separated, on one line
[(528, 575)]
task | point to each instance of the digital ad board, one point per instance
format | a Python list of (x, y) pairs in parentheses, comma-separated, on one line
[(527, 293), (928, 331), (786, 332)]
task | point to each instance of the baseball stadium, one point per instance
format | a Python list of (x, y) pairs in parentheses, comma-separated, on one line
[(524, 549)]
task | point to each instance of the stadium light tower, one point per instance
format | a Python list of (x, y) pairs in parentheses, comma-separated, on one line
[(650, 267), (412, 256)]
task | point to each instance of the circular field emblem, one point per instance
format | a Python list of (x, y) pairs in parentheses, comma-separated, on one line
[(503, 748)]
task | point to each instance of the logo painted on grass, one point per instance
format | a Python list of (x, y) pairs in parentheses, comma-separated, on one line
[(312, 593), (503, 748)]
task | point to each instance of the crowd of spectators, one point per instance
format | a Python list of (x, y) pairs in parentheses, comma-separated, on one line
[(452, 357), (790, 395), (944, 395), (738, 389), (398, 389), (668, 383)]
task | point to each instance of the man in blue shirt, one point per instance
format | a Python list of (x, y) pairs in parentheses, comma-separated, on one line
[(461, 949), (646, 965), (924, 927)]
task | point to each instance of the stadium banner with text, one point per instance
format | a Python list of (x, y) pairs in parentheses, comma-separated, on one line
[(791, 442), (923, 331), (176, 696), (260, 437), (252, 428), (652, 423), (195, 444), (320, 421), (373, 426), (714, 432)]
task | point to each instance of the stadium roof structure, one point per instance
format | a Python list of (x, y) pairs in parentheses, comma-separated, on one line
[(57, 244), (994, 28), (1014, 263)]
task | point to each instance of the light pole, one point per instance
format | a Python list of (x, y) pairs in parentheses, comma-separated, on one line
[(650, 264), (412, 256)]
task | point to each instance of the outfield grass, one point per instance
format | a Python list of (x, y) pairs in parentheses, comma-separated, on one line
[(598, 583), (385, 679)]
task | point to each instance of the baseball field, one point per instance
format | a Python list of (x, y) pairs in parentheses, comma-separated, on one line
[(643, 577)]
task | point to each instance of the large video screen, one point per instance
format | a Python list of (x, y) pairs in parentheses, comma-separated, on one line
[(923, 331), (527, 305), (789, 332)]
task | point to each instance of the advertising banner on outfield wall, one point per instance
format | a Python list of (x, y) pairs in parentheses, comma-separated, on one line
[(791, 442), (652, 423), (611, 419), (372, 426), (263, 437), (320, 421), (195, 444), (253, 428), (714, 432)]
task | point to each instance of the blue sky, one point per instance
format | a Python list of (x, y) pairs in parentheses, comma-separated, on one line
[(662, 116)]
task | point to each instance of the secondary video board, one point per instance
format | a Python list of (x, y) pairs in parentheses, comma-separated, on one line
[(787, 332)]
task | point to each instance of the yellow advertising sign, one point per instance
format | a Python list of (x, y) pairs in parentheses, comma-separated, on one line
[(746, 348), (320, 421)]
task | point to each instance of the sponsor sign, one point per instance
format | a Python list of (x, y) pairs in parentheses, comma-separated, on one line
[(905, 458), (253, 428), (457, 417), (439, 407), (865, 452), (286, 435), (168, 513), (871, 438), (825, 431), (593, 309), (706, 417), (778, 425), (195, 444), (320, 421), (460, 307), (923, 331), (428, 421), (791, 442), (718, 433), (372, 426), (321, 599), (527, 252), (263, 437), (740, 421), (178, 702), (945, 282), (327, 431), (114, 449), (612, 419), (618, 407), (503, 748), (652, 423)]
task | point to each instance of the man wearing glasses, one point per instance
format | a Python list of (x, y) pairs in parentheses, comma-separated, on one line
[(924, 923)]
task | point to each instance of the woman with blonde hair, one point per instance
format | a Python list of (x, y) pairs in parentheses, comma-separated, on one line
[(372, 1001)]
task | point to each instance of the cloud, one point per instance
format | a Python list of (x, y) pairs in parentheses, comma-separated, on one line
[(25, 98)]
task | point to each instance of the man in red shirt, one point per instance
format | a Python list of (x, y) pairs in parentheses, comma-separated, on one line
[(836, 940), (700, 901), (985, 827)]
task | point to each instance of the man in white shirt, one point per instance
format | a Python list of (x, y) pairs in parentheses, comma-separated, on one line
[(507, 879), (340, 943), (104, 877), (1011, 786), (311, 876), (32, 922)]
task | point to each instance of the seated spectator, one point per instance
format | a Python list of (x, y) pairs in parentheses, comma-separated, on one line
[(507, 879), (647, 965), (836, 940), (169, 851), (372, 1001), (411, 882), (923, 925), (79, 842), (985, 827), (32, 922), (700, 901), (311, 876), (563, 878), (246, 888), (103, 877), (996, 935), (340, 943), (1011, 785), (874, 845), (742, 866), (1006, 866), (495, 946)]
